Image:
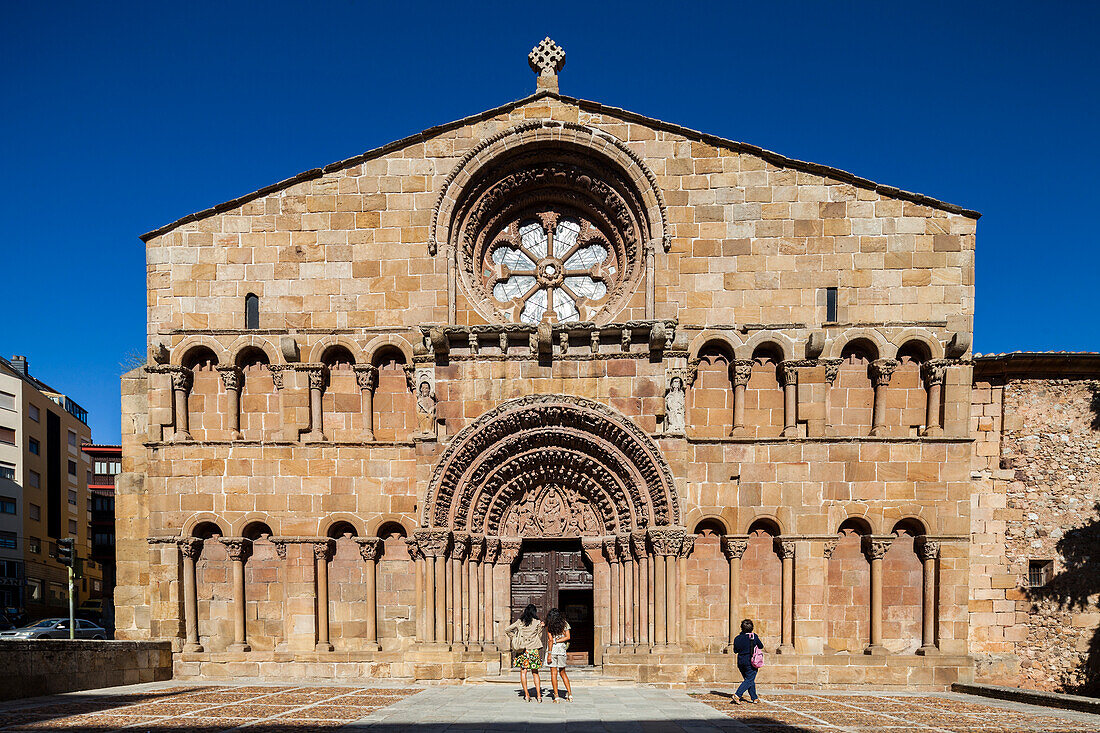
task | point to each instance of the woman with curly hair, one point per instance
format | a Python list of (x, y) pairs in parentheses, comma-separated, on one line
[(557, 632), (525, 638)]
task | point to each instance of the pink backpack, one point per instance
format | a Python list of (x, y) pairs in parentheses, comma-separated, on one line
[(757, 655)]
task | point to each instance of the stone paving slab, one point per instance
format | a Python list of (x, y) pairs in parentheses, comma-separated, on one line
[(480, 708)]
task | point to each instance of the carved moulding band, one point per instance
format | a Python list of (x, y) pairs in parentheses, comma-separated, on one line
[(563, 461)]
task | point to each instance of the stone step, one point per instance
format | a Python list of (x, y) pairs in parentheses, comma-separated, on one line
[(589, 676)]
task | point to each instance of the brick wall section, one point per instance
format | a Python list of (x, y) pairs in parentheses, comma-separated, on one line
[(50, 666)]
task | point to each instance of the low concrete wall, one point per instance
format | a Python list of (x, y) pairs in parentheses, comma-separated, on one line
[(47, 666)]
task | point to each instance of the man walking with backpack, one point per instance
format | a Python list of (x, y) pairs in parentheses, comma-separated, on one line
[(750, 658)]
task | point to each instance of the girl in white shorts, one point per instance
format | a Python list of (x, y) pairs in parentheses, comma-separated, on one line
[(557, 632)]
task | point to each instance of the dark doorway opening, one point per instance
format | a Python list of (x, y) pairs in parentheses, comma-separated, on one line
[(555, 573)]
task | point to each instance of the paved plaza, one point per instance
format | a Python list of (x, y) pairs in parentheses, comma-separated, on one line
[(167, 707)]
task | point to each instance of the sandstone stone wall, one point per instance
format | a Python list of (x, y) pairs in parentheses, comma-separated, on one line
[(50, 666)]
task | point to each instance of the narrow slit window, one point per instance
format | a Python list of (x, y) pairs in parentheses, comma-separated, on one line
[(251, 311), (830, 305)]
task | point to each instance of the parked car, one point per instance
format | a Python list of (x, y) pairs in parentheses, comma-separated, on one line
[(55, 628)]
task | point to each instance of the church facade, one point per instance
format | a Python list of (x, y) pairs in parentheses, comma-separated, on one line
[(565, 354)]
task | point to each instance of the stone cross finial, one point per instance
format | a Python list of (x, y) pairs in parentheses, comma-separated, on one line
[(546, 60)]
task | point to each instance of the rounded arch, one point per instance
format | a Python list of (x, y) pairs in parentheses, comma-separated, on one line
[(765, 523), (240, 349), (340, 528), (551, 465), (383, 343), (932, 346), (912, 526), (726, 343), (710, 525), (389, 529), (317, 351), (787, 348), (376, 525), (698, 515), (254, 518), (856, 524), (186, 348), (327, 523), (883, 349), (256, 530), (202, 522)]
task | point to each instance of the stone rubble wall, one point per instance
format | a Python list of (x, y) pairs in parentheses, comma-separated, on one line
[(48, 666)]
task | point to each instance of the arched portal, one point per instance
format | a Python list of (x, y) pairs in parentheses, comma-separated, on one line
[(552, 466)]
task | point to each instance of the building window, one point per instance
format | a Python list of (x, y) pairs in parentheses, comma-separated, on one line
[(72, 497), (251, 311), (96, 586), (7, 435), (830, 305), (9, 540), (34, 590), (73, 529), (32, 446), (1039, 572), (72, 468), (72, 438), (53, 549), (34, 478), (35, 512), (32, 412), (7, 470), (58, 594), (7, 505), (34, 545), (7, 401)]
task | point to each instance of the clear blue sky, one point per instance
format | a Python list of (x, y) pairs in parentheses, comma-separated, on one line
[(121, 117)]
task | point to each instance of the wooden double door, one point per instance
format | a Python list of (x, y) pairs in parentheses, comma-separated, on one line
[(555, 574)]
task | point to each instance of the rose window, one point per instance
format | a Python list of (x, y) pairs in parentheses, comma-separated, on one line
[(553, 266)]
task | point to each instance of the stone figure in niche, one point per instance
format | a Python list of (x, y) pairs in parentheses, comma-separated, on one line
[(426, 409), (551, 515), (674, 406), (551, 511)]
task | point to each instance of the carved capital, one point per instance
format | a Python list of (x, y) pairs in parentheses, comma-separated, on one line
[(740, 372), (477, 547), (638, 543), (832, 370), (927, 548), (433, 542), (933, 372), (667, 540), (688, 545), (611, 549), (734, 546), (509, 549), (238, 548), (280, 547), (492, 549), (277, 377), (190, 547), (410, 376), (784, 547), (316, 378), (182, 379), (231, 378), (413, 545), (625, 551), (788, 371), (874, 548), (830, 548), (323, 549), (370, 548), (460, 545), (366, 376), (882, 370)]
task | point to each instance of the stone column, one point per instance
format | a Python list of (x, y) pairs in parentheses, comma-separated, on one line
[(370, 549), (509, 551), (740, 371), (933, 373), (593, 549), (641, 585), (492, 554), (239, 549), (681, 588), (629, 639), (881, 371), (182, 379), (460, 586), (666, 543), (612, 549), (417, 558), (477, 591), (734, 546), (277, 380), (789, 371), (233, 381), (322, 553), (366, 376), (316, 390), (929, 551), (875, 548), (784, 547), (433, 543), (832, 371), (191, 550)]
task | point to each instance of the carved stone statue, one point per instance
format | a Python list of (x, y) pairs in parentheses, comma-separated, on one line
[(675, 411), (552, 511), (426, 409)]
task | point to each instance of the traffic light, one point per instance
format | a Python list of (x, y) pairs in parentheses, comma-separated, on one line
[(65, 551)]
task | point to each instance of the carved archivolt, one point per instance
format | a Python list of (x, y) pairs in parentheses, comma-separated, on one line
[(551, 466)]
